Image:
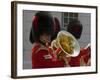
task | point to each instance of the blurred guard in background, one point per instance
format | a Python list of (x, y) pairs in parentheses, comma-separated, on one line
[(83, 59)]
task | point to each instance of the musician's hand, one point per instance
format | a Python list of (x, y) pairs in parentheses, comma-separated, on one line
[(82, 62), (63, 56)]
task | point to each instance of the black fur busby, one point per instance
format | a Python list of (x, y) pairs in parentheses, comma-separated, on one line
[(42, 23), (56, 27), (31, 37), (75, 28)]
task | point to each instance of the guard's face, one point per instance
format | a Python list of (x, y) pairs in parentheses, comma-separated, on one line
[(45, 38)]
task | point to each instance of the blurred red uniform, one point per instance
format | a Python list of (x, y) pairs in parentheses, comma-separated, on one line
[(83, 56)]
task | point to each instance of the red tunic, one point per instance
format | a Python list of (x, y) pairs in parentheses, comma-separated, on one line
[(75, 61), (41, 58)]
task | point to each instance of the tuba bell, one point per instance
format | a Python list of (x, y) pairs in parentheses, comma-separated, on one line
[(68, 44)]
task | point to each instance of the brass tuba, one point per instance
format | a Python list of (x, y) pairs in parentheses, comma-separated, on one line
[(68, 44)]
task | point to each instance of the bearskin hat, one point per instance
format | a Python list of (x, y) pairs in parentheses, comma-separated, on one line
[(42, 23), (75, 28)]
